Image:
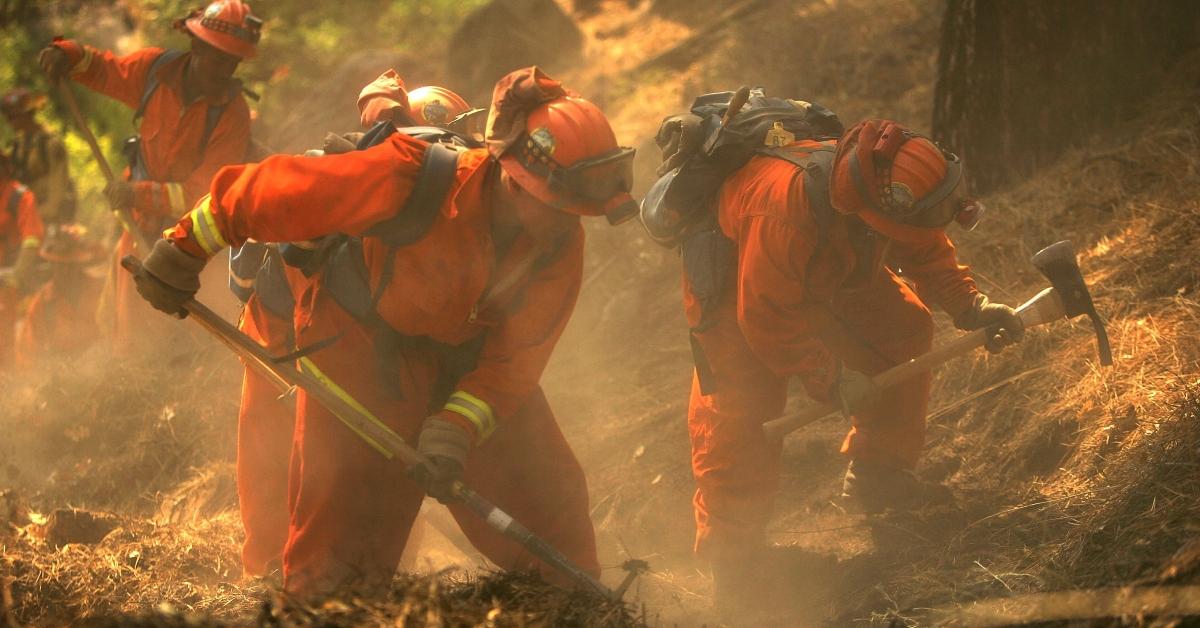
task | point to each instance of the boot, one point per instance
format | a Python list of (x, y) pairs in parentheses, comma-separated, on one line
[(872, 488)]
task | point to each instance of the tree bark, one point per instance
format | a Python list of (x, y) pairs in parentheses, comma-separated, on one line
[(1021, 80)]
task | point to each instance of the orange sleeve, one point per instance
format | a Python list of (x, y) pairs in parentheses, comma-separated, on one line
[(122, 78), (939, 277), (286, 198), (227, 146), (516, 351), (775, 313), (29, 223)]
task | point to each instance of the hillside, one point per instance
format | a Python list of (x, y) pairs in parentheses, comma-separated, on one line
[(1067, 476)]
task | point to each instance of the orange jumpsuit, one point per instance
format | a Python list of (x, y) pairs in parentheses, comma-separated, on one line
[(351, 509), (61, 317), (799, 300), (18, 230), (264, 445), (171, 132)]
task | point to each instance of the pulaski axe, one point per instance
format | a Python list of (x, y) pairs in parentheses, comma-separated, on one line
[(1067, 297), (377, 434)]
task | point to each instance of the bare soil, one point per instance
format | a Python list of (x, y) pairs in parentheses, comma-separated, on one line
[(1067, 476)]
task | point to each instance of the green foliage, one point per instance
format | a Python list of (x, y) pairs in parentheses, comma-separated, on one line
[(303, 42)]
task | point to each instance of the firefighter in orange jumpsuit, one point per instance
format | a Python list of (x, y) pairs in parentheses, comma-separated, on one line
[(60, 319), (192, 120), (269, 289), (831, 299), (21, 234), (499, 266)]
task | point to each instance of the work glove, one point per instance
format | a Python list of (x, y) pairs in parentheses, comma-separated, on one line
[(335, 144), (446, 446), (854, 392), (54, 62), (120, 194), (1004, 326), (169, 278)]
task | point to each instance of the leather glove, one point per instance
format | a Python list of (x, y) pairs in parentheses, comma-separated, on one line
[(169, 278), (446, 446), (1004, 326), (854, 392), (120, 194), (54, 62), (335, 144)]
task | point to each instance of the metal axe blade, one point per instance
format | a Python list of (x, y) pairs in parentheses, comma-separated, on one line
[(1058, 264)]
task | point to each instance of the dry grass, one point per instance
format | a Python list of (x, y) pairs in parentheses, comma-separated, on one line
[(1079, 476)]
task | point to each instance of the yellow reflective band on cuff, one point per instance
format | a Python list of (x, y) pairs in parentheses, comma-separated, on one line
[(204, 228), (31, 243), (310, 368), (85, 62), (175, 197), (475, 410)]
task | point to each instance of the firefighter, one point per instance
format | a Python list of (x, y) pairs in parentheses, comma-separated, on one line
[(38, 157), (269, 289), (21, 234), (60, 318), (478, 280), (831, 287), (387, 99), (192, 119)]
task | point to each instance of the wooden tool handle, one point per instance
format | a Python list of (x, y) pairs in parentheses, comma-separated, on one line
[(1043, 308)]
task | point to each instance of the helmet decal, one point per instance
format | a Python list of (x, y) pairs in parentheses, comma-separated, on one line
[(213, 10), (898, 197), (541, 145), (436, 113)]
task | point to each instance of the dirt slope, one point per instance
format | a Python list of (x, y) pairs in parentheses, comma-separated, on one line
[(1067, 475)]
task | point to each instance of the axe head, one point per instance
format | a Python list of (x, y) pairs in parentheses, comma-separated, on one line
[(1057, 262)]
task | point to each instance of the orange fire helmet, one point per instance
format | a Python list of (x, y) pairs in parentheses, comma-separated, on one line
[(568, 158), (228, 26), (380, 99), (68, 244), (899, 182), (438, 106)]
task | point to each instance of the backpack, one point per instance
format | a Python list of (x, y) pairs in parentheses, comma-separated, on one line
[(133, 145), (720, 134)]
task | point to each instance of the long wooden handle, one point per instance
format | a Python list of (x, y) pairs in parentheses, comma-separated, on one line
[(377, 434), (68, 95), (123, 216), (1040, 310)]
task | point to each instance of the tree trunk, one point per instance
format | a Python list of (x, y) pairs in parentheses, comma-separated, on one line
[(1020, 80)]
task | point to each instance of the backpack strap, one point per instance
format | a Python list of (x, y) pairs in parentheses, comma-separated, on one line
[(434, 181), (212, 116), (152, 81), (346, 275)]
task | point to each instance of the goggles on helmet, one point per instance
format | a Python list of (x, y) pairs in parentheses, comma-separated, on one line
[(594, 180)]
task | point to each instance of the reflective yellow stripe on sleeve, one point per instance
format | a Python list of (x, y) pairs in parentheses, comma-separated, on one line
[(475, 410), (204, 228), (31, 243), (85, 61), (308, 366), (175, 197)]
